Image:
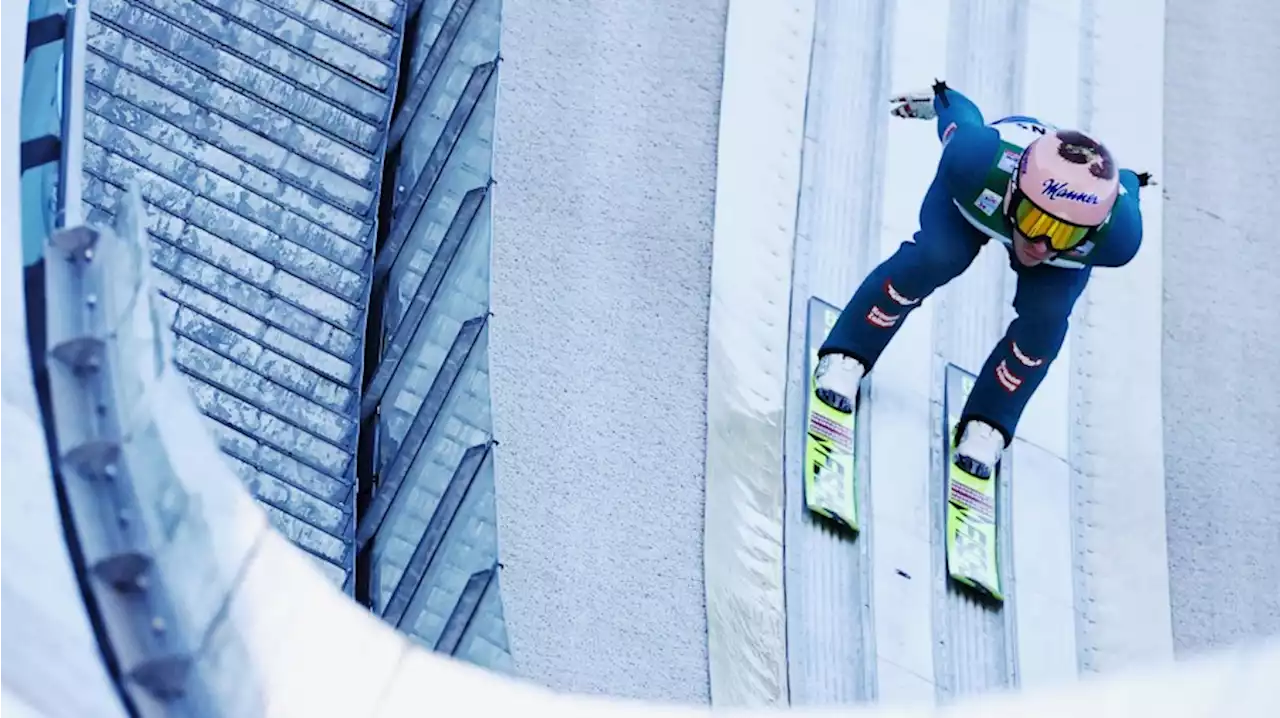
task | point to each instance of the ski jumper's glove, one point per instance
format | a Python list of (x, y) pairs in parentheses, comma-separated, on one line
[(921, 104), (916, 105)]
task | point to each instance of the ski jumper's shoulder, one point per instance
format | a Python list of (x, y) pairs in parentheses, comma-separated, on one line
[(968, 143), (971, 147), (1119, 240)]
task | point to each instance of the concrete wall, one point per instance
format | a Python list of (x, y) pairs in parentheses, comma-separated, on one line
[(605, 168), (1221, 393)]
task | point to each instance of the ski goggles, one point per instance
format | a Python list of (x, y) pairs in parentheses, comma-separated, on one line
[(1036, 224)]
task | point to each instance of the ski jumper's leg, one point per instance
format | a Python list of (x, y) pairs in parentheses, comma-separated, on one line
[(1018, 364), (945, 245)]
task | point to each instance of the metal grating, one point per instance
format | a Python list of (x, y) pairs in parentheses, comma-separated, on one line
[(255, 130)]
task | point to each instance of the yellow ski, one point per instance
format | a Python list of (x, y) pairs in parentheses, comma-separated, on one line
[(973, 556), (830, 484)]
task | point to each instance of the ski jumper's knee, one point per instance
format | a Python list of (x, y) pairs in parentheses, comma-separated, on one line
[(1043, 303), (943, 247), (1008, 379), (1021, 360)]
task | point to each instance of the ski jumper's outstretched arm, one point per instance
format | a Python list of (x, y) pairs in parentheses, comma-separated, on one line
[(952, 106), (1119, 241), (968, 143)]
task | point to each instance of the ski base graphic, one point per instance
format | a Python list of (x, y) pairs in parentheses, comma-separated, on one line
[(830, 481), (973, 557)]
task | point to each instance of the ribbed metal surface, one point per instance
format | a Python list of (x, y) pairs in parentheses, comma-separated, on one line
[(830, 641), (255, 131), (974, 642)]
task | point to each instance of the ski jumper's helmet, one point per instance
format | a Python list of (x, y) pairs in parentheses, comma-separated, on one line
[(1065, 187)]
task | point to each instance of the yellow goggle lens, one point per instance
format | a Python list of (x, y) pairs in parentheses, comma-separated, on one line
[(1034, 224)]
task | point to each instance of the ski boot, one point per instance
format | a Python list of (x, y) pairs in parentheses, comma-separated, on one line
[(980, 449), (838, 377)]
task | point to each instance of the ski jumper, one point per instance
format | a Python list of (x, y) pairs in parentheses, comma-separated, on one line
[(961, 211)]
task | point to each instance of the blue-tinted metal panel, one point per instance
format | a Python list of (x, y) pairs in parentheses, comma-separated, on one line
[(442, 37), (428, 528), (462, 295), (399, 341), (49, 110), (475, 44), (466, 169), (392, 476), (41, 117), (255, 131), (484, 641), (456, 418), (465, 610), (469, 546), (422, 188), (442, 517)]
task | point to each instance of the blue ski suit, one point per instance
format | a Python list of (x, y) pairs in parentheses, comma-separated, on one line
[(947, 243)]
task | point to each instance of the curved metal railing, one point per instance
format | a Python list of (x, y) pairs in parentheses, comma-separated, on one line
[(209, 611)]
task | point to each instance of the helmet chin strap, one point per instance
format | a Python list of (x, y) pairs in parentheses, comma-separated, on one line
[(1008, 195)]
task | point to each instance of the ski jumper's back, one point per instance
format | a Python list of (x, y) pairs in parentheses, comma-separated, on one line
[(978, 160)]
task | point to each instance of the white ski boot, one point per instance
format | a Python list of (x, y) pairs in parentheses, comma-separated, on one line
[(980, 449), (838, 377)]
